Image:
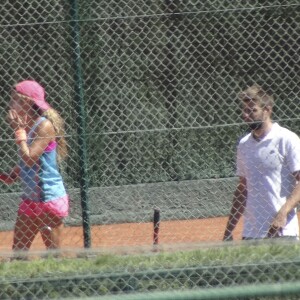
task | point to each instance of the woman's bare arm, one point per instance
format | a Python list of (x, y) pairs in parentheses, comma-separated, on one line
[(44, 134)]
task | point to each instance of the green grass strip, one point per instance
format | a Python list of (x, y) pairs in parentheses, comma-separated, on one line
[(218, 256)]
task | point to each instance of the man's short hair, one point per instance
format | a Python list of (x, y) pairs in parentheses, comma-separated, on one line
[(257, 94)]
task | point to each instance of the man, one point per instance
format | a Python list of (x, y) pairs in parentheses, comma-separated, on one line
[(268, 167)]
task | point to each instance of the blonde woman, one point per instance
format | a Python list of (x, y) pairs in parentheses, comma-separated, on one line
[(39, 135)]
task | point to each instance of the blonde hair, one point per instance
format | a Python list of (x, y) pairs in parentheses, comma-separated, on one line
[(257, 94), (58, 123)]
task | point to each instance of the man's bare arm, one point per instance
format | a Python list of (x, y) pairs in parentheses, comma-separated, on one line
[(237, 209)]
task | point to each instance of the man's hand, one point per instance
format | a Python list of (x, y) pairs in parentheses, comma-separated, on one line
[(278, 223), (280, 220)]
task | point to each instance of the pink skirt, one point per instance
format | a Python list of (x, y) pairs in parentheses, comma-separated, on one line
[(58, 207)]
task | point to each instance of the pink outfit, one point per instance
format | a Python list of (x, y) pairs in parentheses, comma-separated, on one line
[(43, 188), (59, 207), (51, 146)]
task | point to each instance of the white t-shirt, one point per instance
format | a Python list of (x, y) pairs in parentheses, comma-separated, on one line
[(268, 165)]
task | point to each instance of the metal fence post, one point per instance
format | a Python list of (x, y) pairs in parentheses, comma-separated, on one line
[(79, 101)]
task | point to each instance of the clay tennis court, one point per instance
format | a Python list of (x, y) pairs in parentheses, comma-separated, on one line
[(136, 234), (111, 237)]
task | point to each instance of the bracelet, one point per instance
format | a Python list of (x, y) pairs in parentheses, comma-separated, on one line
[(20, 135)]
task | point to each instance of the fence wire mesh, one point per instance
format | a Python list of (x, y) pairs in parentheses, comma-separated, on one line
[(148, 92)]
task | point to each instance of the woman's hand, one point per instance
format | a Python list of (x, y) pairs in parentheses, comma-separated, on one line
[(15, 120)]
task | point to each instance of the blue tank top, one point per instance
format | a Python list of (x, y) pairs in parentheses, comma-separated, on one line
[(42, 181)]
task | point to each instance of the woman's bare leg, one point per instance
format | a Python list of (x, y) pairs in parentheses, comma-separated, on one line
[(24, 233), (51, 229)]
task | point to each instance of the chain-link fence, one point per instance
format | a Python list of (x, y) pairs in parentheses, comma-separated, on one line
[(148, 91)]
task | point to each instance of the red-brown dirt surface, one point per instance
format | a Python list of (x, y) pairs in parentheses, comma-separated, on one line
[(136, 234), (112, 237)]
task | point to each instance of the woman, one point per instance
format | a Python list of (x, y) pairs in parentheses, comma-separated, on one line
[(39, 135)]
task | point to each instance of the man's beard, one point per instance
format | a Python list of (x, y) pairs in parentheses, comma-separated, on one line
[(256, 125)]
